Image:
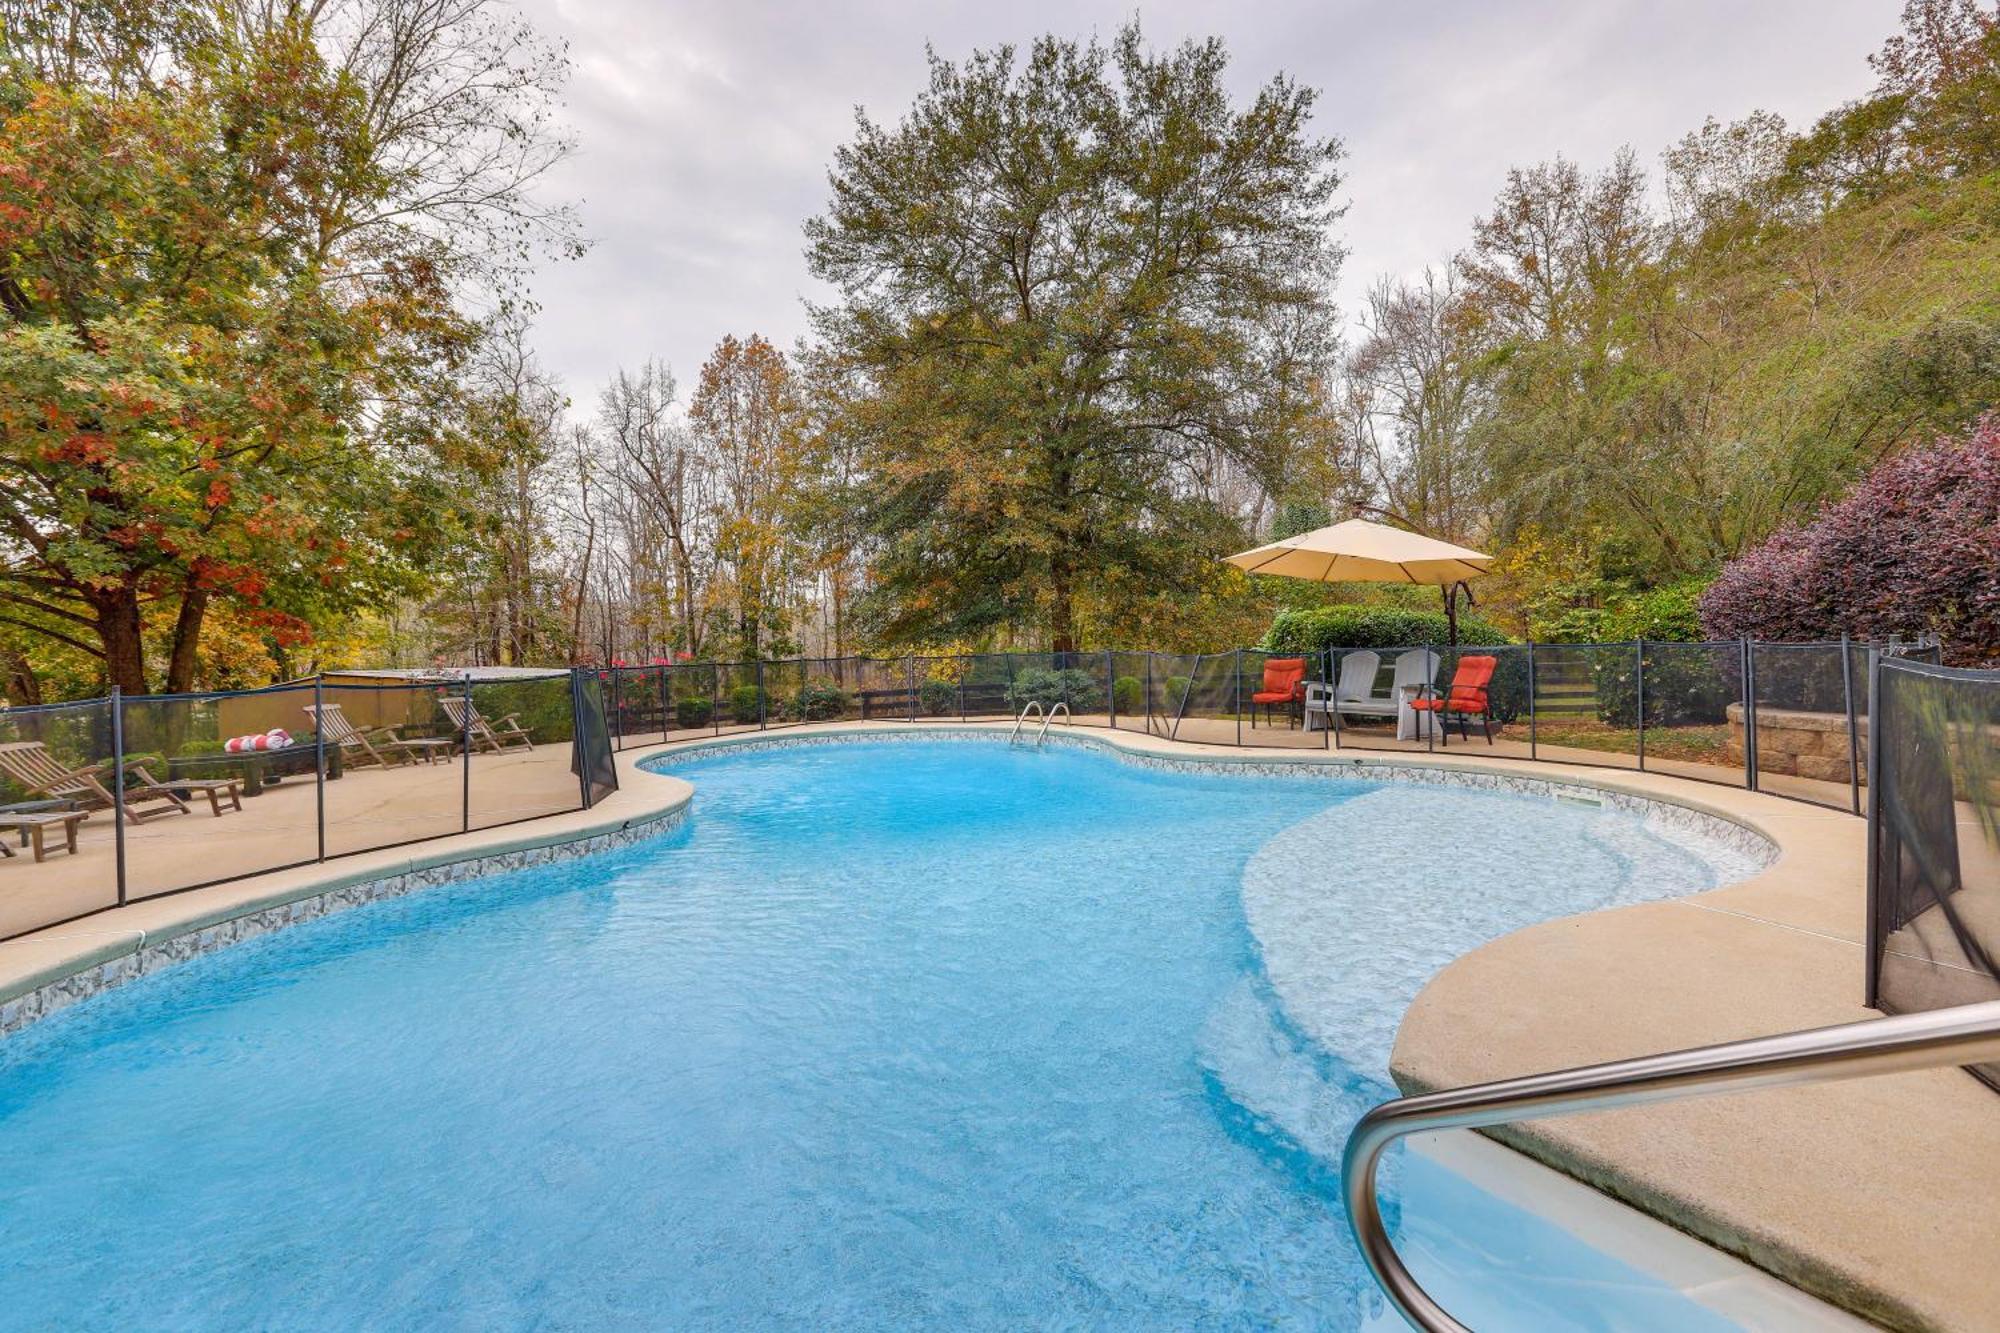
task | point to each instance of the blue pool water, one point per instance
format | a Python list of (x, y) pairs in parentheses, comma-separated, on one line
[(918, 1035)]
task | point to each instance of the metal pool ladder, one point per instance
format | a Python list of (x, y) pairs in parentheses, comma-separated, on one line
[(1964, 1034), (1047, 716)]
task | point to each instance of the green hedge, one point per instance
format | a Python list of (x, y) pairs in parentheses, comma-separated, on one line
[(1350, 626)]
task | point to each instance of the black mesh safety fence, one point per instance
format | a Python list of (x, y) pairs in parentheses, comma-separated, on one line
[(741, 699), (219, 786), (398, 750), (882, 689), (58, 770), (939, 683), (784, 680), (229, 784), (522, 738), (129, 798), (1803, 697), (1170, 682), (1690, 704), (591, 756), (831, 691), (1212, 700), (637, 706), (688, 703), (986, 686), (1134, 691), (1934, 839), (1586, 703)]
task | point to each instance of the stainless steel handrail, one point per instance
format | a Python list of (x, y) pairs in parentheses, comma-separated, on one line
[(1032, 706), (1062, 706), (1965, 1034)]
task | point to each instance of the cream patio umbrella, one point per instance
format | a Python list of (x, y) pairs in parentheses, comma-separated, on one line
[(1358, 551)]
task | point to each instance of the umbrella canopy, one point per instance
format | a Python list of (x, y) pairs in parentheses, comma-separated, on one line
[(1358, 551)]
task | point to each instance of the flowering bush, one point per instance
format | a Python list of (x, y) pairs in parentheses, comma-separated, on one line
[(1910, 550)]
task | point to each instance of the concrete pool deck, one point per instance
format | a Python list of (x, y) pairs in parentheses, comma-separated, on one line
[(1876, 1195)]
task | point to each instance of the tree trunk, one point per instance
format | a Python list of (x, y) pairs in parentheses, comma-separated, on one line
[(1062, 609), (117, 613), (187, 637), (17, 678)]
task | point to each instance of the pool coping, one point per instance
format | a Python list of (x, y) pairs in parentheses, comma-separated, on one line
[(1469, 1023)]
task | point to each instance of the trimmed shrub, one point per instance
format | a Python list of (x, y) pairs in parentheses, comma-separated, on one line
[(938, 697), (819, 701), (746, 704), (1076, 688), (1177, 686), (1350, 626), (1128, 695), (1909, 551), (693, 711)]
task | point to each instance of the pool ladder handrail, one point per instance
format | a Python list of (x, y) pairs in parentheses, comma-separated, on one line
[(1047, 716), (1961, 1035)]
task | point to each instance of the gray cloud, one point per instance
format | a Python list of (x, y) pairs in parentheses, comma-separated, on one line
[(704, 129)]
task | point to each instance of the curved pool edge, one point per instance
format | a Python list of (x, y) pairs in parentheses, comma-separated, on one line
[(47, 971), (1439, 1044), (1867, 1195)]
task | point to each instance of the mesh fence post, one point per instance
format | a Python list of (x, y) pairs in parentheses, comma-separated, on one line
[(1149, 693), (910, 674), (1853, 725), (465, 757), (1236, 691), (1180, 709), (1639, 691), (578, 749), (715, 697), (117, 788), (1428, 720), (760, 694), (1871, 992), (1531, 700), (1111, 688), (319, 761), (1749, 651), (666, 701), (617, 708)]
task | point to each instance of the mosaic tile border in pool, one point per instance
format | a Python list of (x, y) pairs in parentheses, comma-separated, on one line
[(1739, 841), (32, 1006)]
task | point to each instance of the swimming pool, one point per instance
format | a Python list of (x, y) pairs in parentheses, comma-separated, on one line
[(920, 1034)]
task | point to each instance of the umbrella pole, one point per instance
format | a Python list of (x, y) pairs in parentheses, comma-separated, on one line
[(1451, 614)]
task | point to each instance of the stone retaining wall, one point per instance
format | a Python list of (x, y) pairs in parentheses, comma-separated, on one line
[(1804, 745)]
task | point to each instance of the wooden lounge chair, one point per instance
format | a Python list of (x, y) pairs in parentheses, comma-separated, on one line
[(1284, 687), (1466, 698), (377, 745), (46, 777), (503, 733), (1414, 670)]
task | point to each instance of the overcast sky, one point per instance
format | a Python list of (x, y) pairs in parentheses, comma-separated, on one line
[(704, 130)]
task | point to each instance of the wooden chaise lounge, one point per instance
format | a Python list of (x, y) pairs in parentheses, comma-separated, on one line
[(45, 777)]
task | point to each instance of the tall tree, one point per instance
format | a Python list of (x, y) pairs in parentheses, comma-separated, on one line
[(1068, 285), (233, 243), (745, 414)]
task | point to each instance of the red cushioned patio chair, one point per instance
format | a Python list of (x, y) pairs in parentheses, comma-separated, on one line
[(1284, 686), (1466, 698)]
